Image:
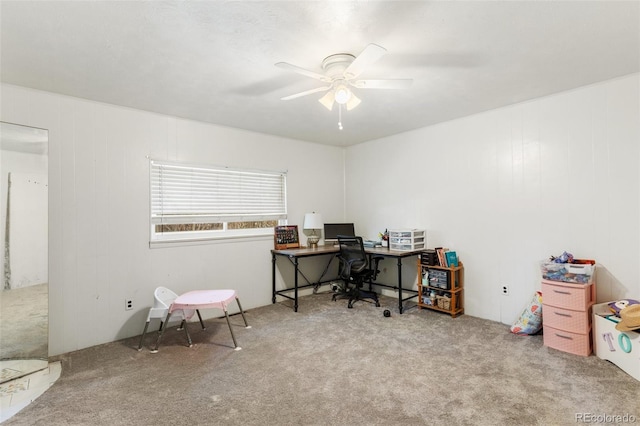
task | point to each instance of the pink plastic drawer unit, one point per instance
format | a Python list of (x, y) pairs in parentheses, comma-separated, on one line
[(566, 316), (576, 297), (574, 343), (565, 319)]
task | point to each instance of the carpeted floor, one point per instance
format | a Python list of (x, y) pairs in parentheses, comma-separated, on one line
[(329, 365), (24, 322)]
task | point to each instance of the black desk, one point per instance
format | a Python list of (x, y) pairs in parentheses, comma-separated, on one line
[(294, 255)]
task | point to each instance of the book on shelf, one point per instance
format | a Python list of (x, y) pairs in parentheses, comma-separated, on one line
[(442, 260), (452, 259)]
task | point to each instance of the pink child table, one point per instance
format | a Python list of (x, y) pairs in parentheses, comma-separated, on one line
[(203, 299)]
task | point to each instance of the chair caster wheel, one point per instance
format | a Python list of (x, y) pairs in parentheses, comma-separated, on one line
[(377, 304)]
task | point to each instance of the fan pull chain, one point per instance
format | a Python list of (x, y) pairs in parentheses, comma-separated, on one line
[(340, 116)]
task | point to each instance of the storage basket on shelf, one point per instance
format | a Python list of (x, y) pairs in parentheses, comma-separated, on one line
[(444, 302)]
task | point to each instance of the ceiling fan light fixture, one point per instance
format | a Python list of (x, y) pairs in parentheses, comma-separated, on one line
[(340, 73), (327, 100), (342, 94), (353, 102)]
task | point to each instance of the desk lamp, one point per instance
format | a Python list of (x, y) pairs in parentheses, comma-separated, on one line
[(313, 222)]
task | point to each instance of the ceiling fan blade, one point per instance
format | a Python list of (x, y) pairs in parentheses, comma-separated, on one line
[(353, 102), (383, 84), (328, 100), (369, 55), (308, 92), (308, 73)]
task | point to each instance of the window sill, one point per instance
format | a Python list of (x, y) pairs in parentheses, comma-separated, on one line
[(208, 240)]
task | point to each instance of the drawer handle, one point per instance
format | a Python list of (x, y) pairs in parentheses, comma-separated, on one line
[(564, 337), (561, 292), (562, 315)]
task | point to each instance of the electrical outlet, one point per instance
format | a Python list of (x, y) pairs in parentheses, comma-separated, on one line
[(505, 290), (128, 304)]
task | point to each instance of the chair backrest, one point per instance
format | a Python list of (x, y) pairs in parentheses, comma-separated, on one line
[(353, 258), (163, 298)]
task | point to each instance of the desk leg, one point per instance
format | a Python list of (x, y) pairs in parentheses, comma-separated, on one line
[(295, 286), (273, 278), (400, 285)]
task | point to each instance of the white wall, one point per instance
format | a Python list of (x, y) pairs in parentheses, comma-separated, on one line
[(19, 162), (27, 228), (99, 207), (510, 187)]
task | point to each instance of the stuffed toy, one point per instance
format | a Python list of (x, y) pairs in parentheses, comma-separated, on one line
[(619, 305)]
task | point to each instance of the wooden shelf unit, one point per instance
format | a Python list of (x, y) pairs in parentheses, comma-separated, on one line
[(454, 287)]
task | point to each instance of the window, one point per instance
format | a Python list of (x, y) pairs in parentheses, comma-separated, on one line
[(193, 202)]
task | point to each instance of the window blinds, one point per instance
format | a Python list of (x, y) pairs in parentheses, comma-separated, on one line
[(200, 194)]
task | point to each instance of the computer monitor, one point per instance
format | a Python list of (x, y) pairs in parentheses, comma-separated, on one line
[(332, 230)]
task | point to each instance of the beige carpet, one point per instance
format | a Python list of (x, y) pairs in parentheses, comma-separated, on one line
[(24, 322), (329, 365)]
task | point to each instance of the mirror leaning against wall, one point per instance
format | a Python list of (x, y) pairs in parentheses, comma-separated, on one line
[(24, 293)]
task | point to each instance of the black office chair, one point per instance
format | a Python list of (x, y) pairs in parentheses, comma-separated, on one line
[(355, 270)]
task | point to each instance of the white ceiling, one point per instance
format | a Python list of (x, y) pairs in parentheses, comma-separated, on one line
[(213, 61)]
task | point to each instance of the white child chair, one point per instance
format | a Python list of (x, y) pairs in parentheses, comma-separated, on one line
[(162, 300)]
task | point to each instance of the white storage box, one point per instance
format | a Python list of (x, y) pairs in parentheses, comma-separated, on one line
[(406, 247), (407, 239), (580, 269), (408, 233), (620, 347), (581, 272)]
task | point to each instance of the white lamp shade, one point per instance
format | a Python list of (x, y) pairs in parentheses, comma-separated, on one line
[(313, 221), (353, 102), (342, 94), (327, 100)]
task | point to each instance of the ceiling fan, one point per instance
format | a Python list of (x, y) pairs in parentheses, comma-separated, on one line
[(340, 76)]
